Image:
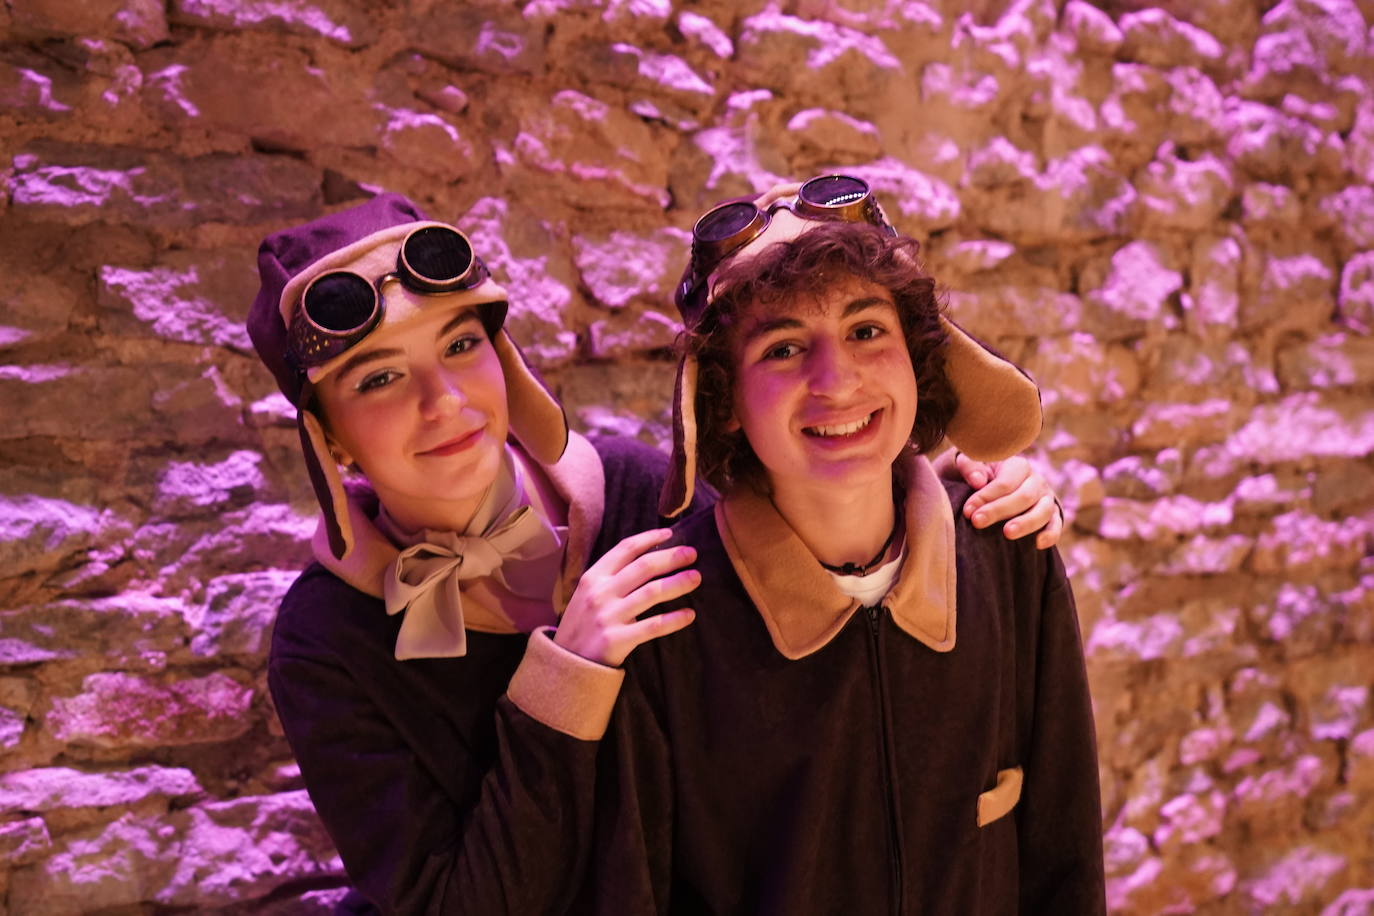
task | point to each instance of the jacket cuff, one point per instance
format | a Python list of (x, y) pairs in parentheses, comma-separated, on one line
[(563, 690)]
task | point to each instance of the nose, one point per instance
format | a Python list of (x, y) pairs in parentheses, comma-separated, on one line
[(441, 394), (832, 370)]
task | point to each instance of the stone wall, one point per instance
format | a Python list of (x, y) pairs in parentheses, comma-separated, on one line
[(1166, 212)]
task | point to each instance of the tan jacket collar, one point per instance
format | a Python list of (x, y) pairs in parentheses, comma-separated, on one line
[(798, 600), (578, 477)]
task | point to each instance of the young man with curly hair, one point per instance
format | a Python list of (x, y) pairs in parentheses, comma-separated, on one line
[(880, 708)]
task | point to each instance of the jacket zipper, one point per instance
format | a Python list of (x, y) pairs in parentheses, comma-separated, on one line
[(885, 752)]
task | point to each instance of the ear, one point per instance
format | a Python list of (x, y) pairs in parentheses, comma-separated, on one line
[(337, 452), (733, 424)]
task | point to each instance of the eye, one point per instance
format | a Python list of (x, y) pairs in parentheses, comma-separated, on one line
[(781, 351), (376, 380), (869, 332), (463, 343)]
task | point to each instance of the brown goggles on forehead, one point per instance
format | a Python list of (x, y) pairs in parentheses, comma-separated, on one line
[(339, 308), (724, 230)]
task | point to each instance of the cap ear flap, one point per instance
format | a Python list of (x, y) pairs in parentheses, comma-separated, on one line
[(324, 477), (999, 410), (680, 482), (536, 417)]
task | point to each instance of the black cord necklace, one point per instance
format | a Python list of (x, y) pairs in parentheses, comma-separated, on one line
[(854, 569)]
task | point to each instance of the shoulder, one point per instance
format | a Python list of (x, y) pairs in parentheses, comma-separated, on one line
[(322, 614)]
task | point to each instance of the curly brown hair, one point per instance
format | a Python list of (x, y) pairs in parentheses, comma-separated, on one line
[(807, 266)]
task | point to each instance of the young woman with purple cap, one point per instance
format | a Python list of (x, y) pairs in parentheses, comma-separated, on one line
[(879, 708), (447, 732)]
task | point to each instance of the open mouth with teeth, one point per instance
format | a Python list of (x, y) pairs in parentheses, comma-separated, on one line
[(841, 430)]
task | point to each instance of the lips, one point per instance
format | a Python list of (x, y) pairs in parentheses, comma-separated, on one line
[(845, 430), (453, 446)]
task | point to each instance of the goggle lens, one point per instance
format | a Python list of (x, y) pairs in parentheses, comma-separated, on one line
[(437, 256), (725, 221), (833, 191), (340, 301)]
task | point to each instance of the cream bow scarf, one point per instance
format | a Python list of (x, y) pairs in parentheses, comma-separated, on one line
[(507, 540)]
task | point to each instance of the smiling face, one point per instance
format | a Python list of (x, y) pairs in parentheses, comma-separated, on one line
[(824, 388), (420, 408)]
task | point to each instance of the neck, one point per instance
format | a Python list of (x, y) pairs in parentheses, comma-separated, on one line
[(839, 524)]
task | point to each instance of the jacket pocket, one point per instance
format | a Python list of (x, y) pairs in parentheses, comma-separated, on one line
[(1001, 798)]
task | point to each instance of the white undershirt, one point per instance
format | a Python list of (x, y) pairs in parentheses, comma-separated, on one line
[(872, 588)]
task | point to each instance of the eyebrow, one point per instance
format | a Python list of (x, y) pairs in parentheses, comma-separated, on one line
[(789, 322), (371, 356)]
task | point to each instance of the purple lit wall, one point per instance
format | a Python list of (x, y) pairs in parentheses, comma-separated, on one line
[(1166, 212)]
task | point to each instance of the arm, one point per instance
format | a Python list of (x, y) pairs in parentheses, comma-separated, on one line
[(1059, 820), (499, 826), (630, 873)]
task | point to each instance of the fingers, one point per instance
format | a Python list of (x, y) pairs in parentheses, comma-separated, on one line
[(1041, 512), (1014, 489), (976, 473), (627, 551), (1048, 537)]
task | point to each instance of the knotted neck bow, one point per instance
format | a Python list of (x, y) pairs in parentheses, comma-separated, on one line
[(516, 547)]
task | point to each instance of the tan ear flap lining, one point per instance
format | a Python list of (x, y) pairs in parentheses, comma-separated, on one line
[(999, 406), (536, 417), (680, 483), (324, 477)]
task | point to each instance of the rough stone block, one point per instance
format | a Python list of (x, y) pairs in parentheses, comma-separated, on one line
[(1357, 293), (624, 267), (1334, 361), (823, 135), (24, 842), (1130, 292), (1276, 147), (814, 60), (1212, 302), (52, 788), (37, 533), (705, 32), (192, 297), (1183, 425), (1162, 519), (236, 616), (1359, 142), (189, 488), (1143, 476), (1288, 290), (116, 710), (996, 311), (1179, 194), (32, 87), (1078, 198), (1135, 113), (1194, 108), (1092, 30), (337, 20), (1336, 29), (514, 242), (268, 536), (1301, 878), (492, 38), (917, 203), (1079, 371), (74, 185), (1351, 214), (590, 152), (1301, 543), (206, 856), (1153, 37), (631, 332), (1202, 556), (140, 23)]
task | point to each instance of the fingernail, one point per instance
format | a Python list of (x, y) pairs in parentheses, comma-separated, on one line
[(979, 479), (980, 519)]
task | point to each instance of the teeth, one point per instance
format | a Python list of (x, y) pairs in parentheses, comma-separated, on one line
[(847, 429)]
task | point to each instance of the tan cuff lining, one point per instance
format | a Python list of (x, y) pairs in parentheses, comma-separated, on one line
[(563, 690), (1001, 798)]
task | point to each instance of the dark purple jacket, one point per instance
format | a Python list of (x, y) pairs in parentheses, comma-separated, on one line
[(853, 779), (442, 795)]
